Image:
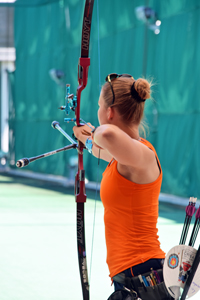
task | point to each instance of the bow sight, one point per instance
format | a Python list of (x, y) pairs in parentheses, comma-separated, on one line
[(70, 101), (71, 104)]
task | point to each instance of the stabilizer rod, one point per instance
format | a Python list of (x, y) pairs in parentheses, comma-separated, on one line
[(56, 125), (25, 161)]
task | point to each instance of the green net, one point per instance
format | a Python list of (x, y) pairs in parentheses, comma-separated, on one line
[(48, 36)]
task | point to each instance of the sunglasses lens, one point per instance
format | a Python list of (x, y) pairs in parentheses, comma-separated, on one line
[(115, 75), (111, 76)]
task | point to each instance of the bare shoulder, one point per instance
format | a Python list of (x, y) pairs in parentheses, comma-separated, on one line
[(140, 175), (145, 169)]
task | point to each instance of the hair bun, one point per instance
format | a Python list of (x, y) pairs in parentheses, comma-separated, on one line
[(135, 93), (142, 87)]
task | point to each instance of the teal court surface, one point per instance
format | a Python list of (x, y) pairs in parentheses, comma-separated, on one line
[(38, 253)]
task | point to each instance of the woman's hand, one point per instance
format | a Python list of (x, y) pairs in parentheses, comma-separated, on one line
[(82, 132)]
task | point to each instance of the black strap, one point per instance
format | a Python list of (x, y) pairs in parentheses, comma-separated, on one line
[(123, 294)]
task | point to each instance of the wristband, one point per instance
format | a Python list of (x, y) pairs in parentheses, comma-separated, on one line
[(89, 145)]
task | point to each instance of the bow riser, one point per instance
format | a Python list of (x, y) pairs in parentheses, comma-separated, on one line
[(80, 177), (84, 63)]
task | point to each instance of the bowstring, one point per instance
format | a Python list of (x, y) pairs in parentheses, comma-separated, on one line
[(97, 179), (94, 218)]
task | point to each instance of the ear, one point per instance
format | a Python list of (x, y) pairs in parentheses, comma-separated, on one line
[(110, 113)]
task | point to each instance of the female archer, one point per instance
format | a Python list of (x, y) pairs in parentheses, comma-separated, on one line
[(131, 183)]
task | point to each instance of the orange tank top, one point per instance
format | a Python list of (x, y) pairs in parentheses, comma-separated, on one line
[(130, 217)]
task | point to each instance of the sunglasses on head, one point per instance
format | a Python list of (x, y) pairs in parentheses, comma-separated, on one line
[(112, 76)]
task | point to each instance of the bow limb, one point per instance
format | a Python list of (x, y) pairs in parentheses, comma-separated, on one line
[(80, 195)]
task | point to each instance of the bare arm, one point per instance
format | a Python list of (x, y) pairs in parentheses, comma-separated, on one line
[(123, 148)]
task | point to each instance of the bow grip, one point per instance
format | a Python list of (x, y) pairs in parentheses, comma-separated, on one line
[(84, 63)]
